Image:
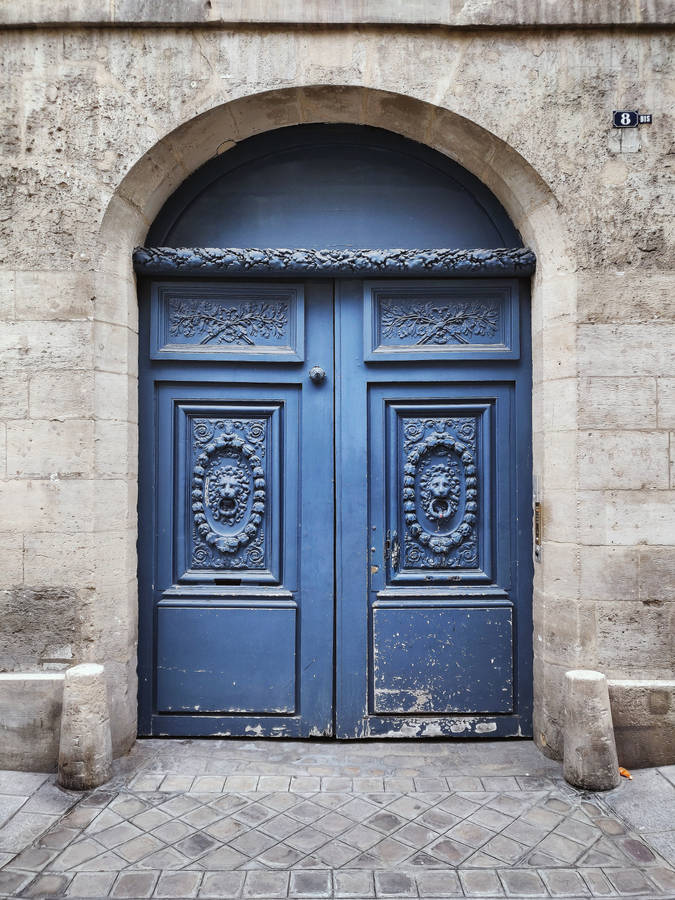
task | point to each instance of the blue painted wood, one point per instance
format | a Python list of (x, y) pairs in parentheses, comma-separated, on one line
[(257, 263), (440, 320), (229, 512), (236, 507), (312, 185), (445, 499), (437, 491), (213, 659), (434, 457), (205, 320), (442, 660)]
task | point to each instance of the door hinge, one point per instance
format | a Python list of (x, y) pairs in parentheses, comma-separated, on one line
[(392, 550)]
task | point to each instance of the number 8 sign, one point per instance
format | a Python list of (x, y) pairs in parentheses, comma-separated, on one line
[(625, 118)]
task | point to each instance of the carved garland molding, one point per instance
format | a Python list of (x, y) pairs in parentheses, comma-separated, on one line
[(519, 261)]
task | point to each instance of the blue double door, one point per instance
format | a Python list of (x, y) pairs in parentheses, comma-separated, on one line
[(335, 508)]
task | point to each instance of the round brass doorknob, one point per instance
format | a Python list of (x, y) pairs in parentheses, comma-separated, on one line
[(317, 374)]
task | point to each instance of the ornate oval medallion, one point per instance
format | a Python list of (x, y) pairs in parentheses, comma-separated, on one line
[(228, 493), (434, 486)]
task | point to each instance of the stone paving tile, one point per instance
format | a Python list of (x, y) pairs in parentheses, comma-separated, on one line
[(107, 862), (23, 828), (481, 883), (266, 884), (304, 784), (209, 784), (281, 856), (353, 883), (504, 849), (135, 849), (241, 782), (135, 884), (449, 851), (33, 859), (174, 783), (20, 783), (76, 853), (91, 884), (9, 804), (394, 884), (58, 837), (47, 886), (222, 859), (522, 883), (439, 884), (663, 878), (336, 854), (12, 882), (310, 884), (222, 884), (178, 885), (629, 881), (564, 883)]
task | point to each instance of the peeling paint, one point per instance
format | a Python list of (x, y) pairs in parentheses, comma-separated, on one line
[(482, 727)]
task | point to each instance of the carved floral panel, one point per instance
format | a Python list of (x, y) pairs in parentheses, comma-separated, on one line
[(211, 322), (425, 320), (246, 321), (229, 493), (439, 492)]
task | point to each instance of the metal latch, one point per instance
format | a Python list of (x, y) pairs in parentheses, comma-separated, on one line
[(537, 530), (392, 549)]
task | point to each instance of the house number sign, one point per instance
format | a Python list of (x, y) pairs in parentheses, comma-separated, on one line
[(630, 118)]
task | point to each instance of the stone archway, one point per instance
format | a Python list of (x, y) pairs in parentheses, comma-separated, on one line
[(531, 206)]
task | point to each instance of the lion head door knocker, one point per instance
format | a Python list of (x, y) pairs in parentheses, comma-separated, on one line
[(438, 487), (227, 492), (440, 491)]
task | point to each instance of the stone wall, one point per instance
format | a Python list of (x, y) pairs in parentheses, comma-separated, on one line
[(101, 124)]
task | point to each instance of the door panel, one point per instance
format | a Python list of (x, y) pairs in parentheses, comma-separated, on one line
[(239, 596), (442, 660), (209, 660), (433, 611)]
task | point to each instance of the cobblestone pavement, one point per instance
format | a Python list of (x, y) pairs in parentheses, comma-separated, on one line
[(226, 819)]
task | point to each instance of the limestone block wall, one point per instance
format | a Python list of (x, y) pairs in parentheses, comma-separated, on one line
[(102, 121)]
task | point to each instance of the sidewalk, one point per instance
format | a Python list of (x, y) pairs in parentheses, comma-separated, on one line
[(264, 819)]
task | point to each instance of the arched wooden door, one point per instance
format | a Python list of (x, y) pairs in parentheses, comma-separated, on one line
[(335, 447)]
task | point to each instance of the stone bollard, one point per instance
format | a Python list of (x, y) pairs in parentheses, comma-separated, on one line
[(589, 756), (85, 748)]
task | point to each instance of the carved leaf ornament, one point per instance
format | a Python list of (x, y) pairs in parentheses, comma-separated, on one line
[(442, 500), (224, 489), (228, 324), (505, 261), (433, 324)]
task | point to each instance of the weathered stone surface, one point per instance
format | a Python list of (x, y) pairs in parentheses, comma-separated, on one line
[(30, 712), (455, 13), (589, 756), (644, 721), (617, 402), (85, 747)]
